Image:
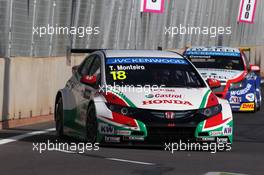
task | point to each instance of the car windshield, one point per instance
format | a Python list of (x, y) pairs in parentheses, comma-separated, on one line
[(217, 62), (165, 72)]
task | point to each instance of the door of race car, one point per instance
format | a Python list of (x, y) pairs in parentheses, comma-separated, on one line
[(75, 121), (84, 92)]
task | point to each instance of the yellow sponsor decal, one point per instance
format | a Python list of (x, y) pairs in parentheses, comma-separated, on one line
[(247, 107)]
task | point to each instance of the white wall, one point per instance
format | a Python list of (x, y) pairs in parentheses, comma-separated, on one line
[(34, 83)]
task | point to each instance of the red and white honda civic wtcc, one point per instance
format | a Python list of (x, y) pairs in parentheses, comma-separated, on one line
[(123, 96), (240, 81)]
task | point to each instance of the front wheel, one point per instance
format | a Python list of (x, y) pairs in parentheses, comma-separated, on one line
[(91, 125), (59, 117)]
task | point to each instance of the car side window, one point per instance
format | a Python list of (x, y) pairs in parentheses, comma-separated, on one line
[(95, 68), (85, 66)]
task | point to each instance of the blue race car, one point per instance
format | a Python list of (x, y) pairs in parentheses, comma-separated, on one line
[(240, 81)]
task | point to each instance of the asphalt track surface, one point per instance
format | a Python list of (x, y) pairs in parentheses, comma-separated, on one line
[(17, 155)]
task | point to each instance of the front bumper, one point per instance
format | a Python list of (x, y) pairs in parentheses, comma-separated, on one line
[(153, 128)]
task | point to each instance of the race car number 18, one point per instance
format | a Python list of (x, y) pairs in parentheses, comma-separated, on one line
[(118, 75)]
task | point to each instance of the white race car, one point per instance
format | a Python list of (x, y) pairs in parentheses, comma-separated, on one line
[(141, 96)]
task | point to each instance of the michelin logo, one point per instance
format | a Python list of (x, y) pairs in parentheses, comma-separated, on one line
[(242, 91)]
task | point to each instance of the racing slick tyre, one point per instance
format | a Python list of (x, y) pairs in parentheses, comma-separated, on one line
[(259, 103), (91, 125), (256, 105), (59, 117)]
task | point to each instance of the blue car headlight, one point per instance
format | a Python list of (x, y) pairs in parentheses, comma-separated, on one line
[(211, 111)]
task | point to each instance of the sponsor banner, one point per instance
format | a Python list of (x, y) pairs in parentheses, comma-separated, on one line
[(152, 6), (163, 96), (222, 140), (247, 11), (135, 138), (227, 131), (213, 53), (206, 139), (242, 91), (153, 102), (247, 107), (106, 129), (112, 139), (235, 100), (123, 132), (145, 60), (216, 133), (250, 97)]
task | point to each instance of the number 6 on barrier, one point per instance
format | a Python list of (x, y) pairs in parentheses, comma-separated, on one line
[(153, 6)]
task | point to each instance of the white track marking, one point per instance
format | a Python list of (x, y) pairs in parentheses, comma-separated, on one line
[(64, 151), (226, 173), (130, 161), (113, 159), (22, 136)]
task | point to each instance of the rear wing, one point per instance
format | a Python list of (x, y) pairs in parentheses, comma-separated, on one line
[(246, 51), (70, 50)]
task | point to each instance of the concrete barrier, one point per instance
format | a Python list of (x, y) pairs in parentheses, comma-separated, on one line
[(32, 85), (257, 57), (2, 73)]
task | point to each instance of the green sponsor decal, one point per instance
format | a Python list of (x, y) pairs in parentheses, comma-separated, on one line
[(218, 132), (123, 97), (105, 128), (204, 100)]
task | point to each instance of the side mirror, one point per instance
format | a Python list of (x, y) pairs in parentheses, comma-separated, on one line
[(213, 83), (74, 69), (254, 68), (89, 80)]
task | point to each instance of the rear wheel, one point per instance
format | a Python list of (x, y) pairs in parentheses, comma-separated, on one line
[(59, 117), (91, 125), (259, 101)]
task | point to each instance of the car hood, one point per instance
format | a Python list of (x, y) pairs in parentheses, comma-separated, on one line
[(164, 98), (220, 74)]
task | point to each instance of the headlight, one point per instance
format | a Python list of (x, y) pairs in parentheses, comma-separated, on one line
[(120, 109), (211, 111), (238, 85)]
